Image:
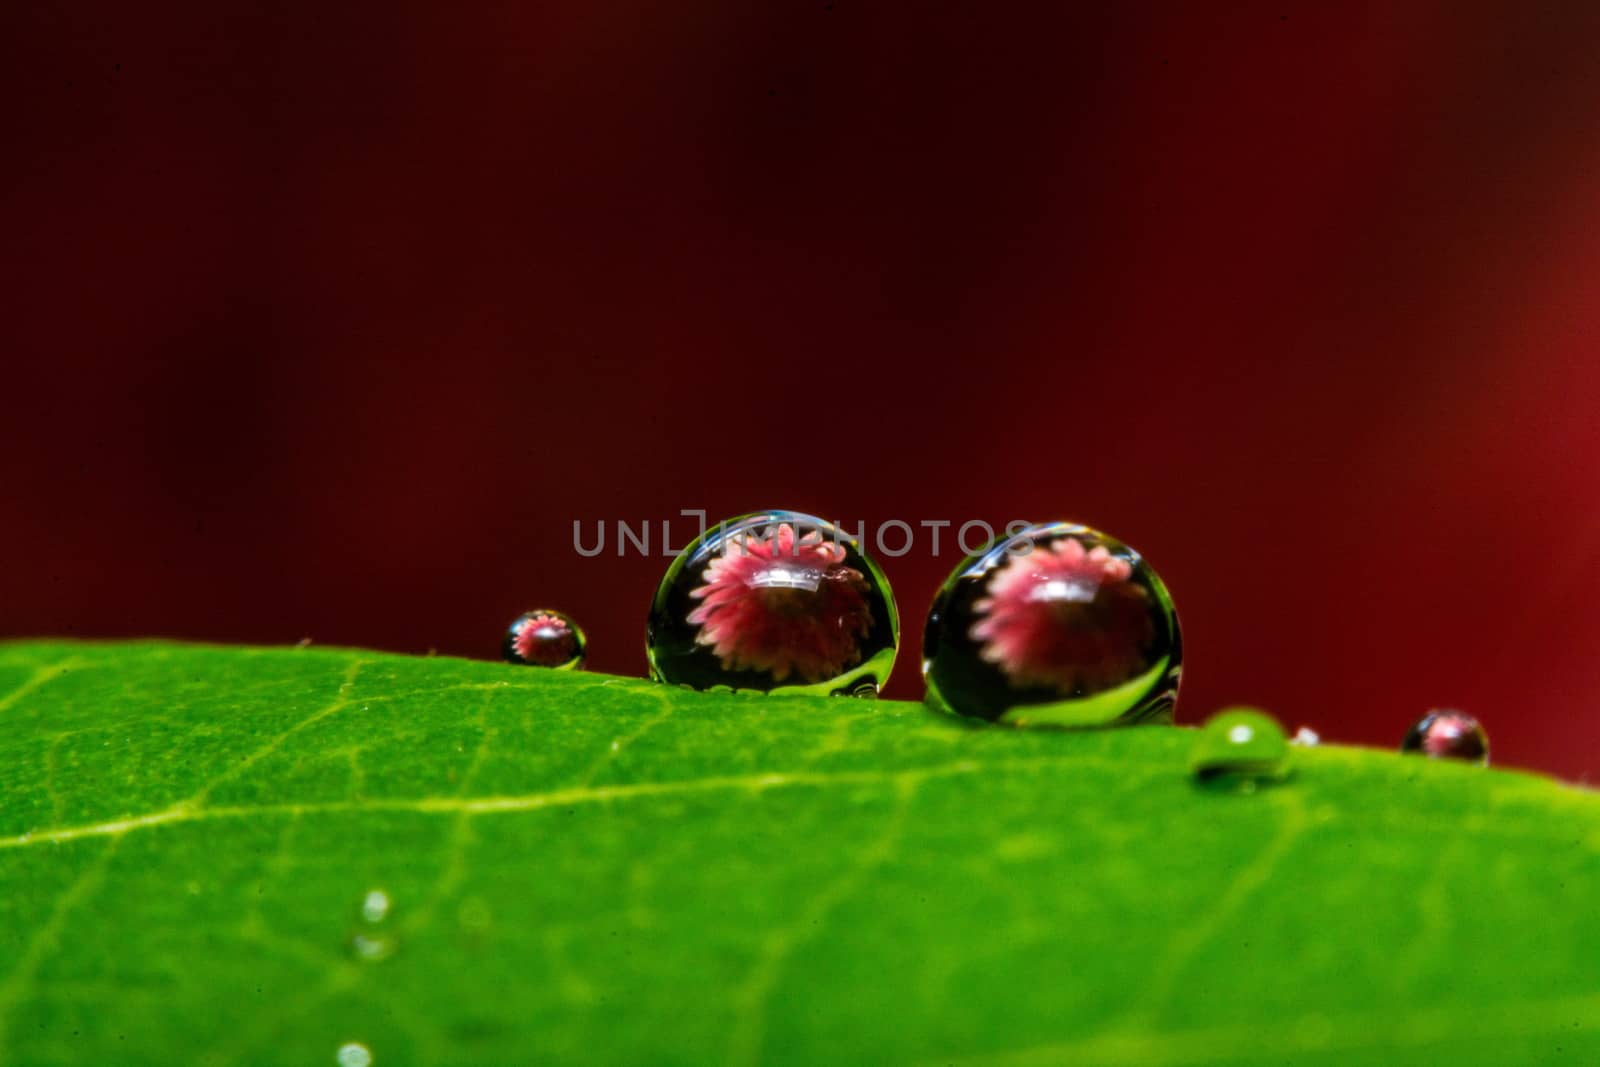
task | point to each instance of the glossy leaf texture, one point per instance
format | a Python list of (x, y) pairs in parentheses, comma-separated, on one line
[(246, 856)]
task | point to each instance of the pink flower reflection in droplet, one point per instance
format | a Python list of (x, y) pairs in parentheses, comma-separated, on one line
[(545, 639), (783, 604), (1065, 617)]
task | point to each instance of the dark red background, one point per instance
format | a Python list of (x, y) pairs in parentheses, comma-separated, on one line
[(331, 322)]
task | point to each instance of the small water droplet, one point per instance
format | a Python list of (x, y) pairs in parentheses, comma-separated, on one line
[(1306, 737), (375, 907), (353, 1054), (776, 601), (371, 941), (1448, 734), (1053, 625), (1240, 749), (372, 947), (544, 638)]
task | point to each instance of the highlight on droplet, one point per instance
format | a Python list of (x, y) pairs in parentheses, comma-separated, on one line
[(1239, 750)]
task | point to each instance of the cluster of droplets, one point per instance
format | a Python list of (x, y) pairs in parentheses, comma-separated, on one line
[(1242, 749), (373, 938), (1052, 625)]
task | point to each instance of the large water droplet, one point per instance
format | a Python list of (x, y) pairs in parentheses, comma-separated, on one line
[(544, 638), (1448, 734), (353, 1054), (1239, 749), (776, 601), (1059, 625)]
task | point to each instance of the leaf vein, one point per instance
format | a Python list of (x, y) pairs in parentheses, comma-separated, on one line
[(780, 945), (47, 938)]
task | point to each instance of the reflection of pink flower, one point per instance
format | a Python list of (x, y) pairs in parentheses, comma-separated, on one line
[(1451, 734), (545, 640), (1064, 617), (1443, 737), (783, 605)]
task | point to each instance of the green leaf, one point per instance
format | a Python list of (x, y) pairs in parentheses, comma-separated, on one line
[(587, 869)]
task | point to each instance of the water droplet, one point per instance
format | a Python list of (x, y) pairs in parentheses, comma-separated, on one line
[(372, 947), (775, 601), (1059, 625), (371, 941), (544, 638), (375, 907), (353, 1054), (1306, 737), (1239, 749), (1448, 734)]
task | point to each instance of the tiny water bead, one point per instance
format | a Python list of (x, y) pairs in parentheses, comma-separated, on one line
[(775, 601), (1448, 734), (1058, 625), (373, 940), (375, 906), (1306, 737), (1238, 749), (353, 1054), (544, 638)]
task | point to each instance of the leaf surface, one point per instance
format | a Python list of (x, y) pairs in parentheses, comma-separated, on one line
[(579, 868)]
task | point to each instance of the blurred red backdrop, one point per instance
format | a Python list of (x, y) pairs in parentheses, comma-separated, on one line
[(331, 322)]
